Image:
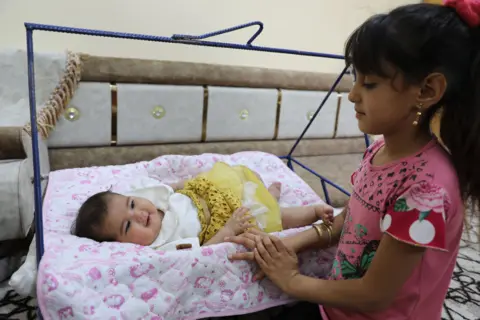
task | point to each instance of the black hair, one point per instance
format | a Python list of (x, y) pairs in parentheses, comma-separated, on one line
[(91, 217), (417, 40)]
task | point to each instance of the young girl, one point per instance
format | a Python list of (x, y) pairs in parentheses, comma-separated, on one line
[(399, 236), (224, 201)]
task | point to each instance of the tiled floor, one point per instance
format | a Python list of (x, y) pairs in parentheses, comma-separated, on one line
[(12, 306)]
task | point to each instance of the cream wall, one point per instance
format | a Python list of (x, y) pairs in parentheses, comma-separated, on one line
[(314, 25)]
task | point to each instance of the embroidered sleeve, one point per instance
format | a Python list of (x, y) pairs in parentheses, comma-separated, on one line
[(418, 216)]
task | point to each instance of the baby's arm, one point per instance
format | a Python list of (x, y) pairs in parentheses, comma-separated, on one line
[(295, 217), (238, 223), (219, 237)]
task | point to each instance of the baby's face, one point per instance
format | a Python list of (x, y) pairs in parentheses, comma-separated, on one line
[(133, 220)]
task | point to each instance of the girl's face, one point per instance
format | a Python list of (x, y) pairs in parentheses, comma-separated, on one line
[(132, 220), (383, 106)]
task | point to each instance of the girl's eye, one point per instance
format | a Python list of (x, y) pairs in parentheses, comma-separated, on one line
[(132, 204), (369, 85), (127, 226)]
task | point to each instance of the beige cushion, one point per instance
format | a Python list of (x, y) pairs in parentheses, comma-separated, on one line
[(297, 109), (93, 126), (157, 113), (241, 113)]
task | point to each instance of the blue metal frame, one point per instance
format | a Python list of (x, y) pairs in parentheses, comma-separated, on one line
[(179, 39)]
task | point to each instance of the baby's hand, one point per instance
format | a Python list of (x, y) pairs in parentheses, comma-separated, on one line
[(324, 212), (239, 222), (177, 185)]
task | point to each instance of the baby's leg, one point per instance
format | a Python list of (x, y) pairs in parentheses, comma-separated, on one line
[(275, 188), (296, 217)]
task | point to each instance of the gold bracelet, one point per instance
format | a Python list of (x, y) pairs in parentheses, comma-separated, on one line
[(319, 227), (319, 230), (329, 230)]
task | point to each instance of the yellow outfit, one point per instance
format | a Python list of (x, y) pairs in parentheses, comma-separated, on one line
[(222, 188)]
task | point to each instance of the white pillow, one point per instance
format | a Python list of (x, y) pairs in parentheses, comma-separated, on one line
[(24, 280)]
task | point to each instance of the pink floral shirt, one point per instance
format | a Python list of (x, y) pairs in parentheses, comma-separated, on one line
[(416, 200)]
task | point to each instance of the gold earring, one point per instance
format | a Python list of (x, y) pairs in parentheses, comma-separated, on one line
[(419, 114)]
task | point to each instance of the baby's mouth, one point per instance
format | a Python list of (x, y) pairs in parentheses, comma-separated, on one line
[(161, 214), (148, 220)]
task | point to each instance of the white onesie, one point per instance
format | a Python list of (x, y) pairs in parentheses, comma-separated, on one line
[(180, 224)]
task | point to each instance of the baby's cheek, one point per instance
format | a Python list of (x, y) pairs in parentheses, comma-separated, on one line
[(142, 236)]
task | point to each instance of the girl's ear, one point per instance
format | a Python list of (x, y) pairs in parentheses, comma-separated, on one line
[(432, 89)]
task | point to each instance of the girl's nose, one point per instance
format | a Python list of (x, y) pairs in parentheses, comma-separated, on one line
[(353, 95), (140, 216)]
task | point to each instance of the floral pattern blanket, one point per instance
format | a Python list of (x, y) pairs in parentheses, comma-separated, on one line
[(82, 279)]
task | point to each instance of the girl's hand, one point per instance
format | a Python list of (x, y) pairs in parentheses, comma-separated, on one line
[(239, 222), (277, 261), (247, 239)]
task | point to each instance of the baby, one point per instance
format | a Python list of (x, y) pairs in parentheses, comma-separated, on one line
[(222, 202)]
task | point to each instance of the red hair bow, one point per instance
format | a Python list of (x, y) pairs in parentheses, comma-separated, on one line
[(468, 10)]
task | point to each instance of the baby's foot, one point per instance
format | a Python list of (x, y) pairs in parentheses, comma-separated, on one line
[(275, 190)]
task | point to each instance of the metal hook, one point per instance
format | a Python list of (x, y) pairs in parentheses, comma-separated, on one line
[(216, 33), (43, 177)]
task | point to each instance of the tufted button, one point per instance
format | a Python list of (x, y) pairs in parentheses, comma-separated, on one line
[(158, 112), (244, 114), (72, 114), (310, 115)]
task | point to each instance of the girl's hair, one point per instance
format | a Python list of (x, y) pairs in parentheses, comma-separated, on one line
[(91, 217), (420, 39)]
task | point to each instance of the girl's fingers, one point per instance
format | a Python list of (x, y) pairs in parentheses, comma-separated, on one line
[(246, 239), (257, 232), (260, 248), (279, 245), (270, 247), (258, 258)]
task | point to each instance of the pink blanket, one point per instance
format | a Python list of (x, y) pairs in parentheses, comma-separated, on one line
[(82, 279)]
